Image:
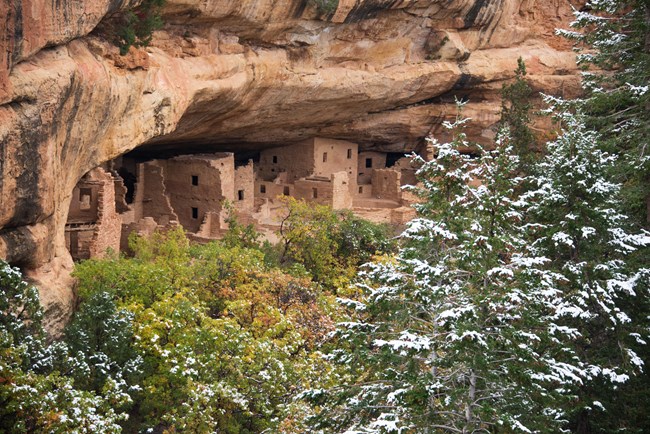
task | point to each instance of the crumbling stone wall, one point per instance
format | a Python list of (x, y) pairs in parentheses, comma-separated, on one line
[(296, 160), (151, 199), (84, 203), (332, 156), (93, 224), (406, 166), (278, 186), (197, 184), (314, 189), (108, 227), (143, 227), (387, 184), (342, 192), (367, 162), (244, 188)]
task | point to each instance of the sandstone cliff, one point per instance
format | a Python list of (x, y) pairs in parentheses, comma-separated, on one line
[(240, 74)]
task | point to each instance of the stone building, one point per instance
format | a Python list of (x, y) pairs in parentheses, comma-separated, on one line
[(93, 224), (191, 191), (319, 170)]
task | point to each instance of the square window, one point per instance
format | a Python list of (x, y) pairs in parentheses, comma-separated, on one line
[(195, 180), (368, 163), (195, 213), (240, 194), (262, 188), (85, 197)]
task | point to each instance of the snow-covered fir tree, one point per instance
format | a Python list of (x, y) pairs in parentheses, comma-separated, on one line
[(613, 40), (576, 221), (37, 390), (458, 333)]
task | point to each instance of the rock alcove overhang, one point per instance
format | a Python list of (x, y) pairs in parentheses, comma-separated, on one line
[(237, 75)]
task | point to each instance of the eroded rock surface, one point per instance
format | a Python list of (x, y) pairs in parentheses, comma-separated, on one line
[(242, 75)]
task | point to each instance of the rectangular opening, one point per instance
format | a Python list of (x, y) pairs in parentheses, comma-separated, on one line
[(285, 191), (324, 157), (195, 213), (262, 188), (360, 189), (349, 154), (195, 179), (275, 159), (85, 197), (240, 194), (74, 244), (314, 193), (368, 163)]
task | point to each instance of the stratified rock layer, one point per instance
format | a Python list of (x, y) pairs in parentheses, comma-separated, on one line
[(242, 75)]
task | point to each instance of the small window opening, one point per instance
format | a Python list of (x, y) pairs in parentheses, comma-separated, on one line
[(368, 162), (240, 194), (314, 193), (85, 196), (286, 191), (195, 213), (349, 154), (324, 157), (360, 189), (195, 180), (262, 188), (275, 159)]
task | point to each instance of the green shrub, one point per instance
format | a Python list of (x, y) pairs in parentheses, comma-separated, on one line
[(326, 6), (138, 25)]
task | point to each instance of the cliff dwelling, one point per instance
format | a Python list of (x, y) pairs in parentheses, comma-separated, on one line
[(194, 191), (93, 225)]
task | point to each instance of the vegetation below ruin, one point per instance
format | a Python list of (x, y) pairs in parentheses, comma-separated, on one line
[(187, 338)]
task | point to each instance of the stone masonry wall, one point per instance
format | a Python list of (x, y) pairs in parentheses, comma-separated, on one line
[(151, 198), (377, 161), (331, 156), (197, 184), (244, 188), (386, 184), (108, 228), (296, 160)]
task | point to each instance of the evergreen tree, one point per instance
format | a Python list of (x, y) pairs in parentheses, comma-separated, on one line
[(615, 54), (37, 393), (457, 333), (515, 117), (614, 50), (576, 222)]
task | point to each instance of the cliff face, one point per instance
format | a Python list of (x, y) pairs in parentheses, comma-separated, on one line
[(241, 74)]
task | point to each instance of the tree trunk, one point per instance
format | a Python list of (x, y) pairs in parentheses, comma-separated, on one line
[(469, 415)]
